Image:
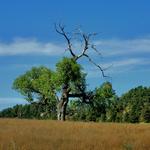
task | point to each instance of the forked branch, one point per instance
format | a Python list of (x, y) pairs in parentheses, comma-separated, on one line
[(86, 45), (61, 30)]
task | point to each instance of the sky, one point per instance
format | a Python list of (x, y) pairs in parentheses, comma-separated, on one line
[(28, 38)]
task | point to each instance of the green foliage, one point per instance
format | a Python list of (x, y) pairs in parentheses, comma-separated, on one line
[(145, 113), (105, 90), (68, 71), (103, 98), (37, 84), (135, 105), (29, 111), (96, 110)]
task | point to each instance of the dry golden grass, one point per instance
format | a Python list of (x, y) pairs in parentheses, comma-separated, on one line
[(53, 135)]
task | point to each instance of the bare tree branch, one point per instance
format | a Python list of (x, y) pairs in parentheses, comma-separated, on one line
[(95, 49), (61, 30), (95, 65), (86, 45)]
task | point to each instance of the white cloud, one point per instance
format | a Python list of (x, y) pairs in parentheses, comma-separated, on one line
[(108, 47), (127, 62), (116, 47), (30, 46)]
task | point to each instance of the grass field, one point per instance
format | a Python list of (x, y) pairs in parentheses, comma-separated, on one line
[(18, 134)]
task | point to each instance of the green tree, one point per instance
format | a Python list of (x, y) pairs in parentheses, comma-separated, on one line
[(135, 105), (37, 85), (102, 101), (145, 113)]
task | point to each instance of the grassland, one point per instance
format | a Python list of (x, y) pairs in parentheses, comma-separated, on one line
[(18, 134)]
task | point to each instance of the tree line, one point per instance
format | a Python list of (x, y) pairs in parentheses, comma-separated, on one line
[(106, 106)]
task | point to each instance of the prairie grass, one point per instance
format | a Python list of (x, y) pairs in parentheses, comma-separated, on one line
[(25, 134)]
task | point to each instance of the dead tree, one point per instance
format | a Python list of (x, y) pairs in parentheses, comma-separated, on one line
[(87, 45)]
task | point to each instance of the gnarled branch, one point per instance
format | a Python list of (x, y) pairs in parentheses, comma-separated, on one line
[(86, 42), (61, 30)]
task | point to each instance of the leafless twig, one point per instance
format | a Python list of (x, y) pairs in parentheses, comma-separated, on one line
[(86, 45)]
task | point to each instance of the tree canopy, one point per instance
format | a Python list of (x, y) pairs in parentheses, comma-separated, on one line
[(36, 84), (136, 105)]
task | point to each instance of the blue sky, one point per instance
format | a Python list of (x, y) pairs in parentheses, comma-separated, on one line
[(28, 38)]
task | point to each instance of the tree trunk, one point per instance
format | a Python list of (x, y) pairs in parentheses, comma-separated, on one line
[(63, 115), (62, 104), (61, 110)]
